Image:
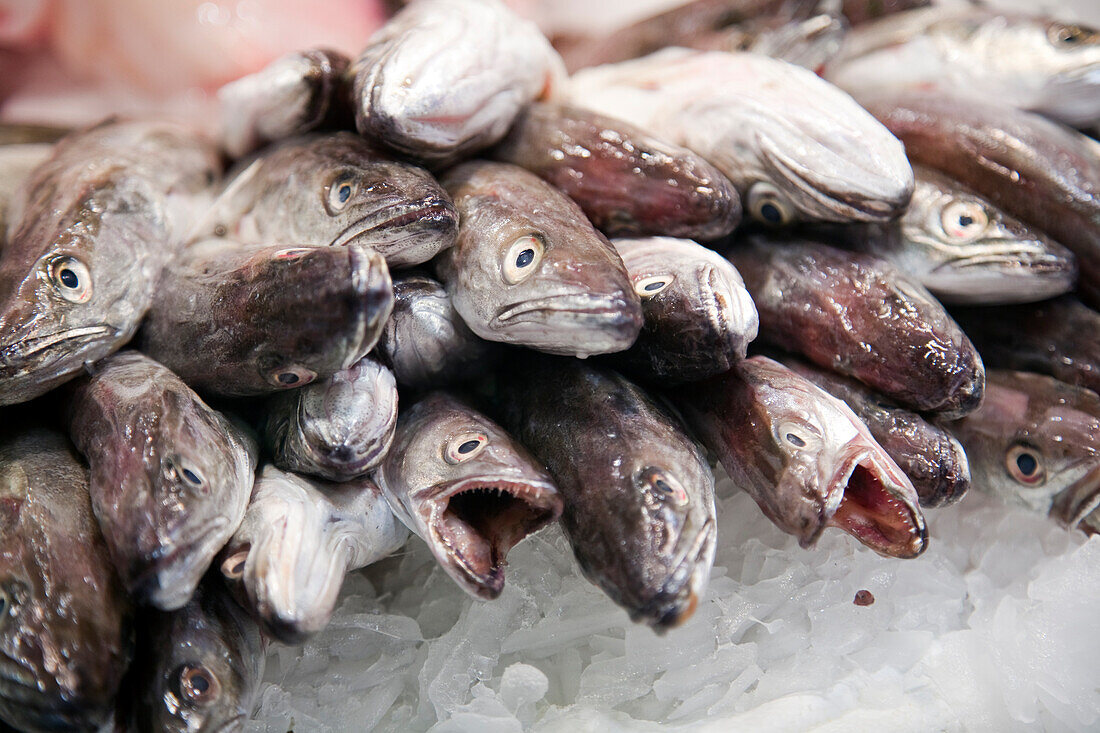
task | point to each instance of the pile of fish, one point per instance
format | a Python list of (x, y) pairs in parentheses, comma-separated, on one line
[(385, 302)]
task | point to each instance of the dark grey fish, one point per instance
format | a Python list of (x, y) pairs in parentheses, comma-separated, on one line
[(465, 487), (638, 493), (529, 269), (336, 428), (170, 477), (241, 320), (99, 221), (65, 638)]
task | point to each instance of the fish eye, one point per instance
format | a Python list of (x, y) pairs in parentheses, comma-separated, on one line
[(522, 258), (1024, 464), (647, 287), (71, 278), (964, 220), (660, 483), (464, 447), (795, 435), (197, 684), (186, 473), (768, 205), (233, 566), (339, 193), (1069, 35), (292, 376)]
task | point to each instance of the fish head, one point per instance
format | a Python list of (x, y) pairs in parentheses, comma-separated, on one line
[(468, 489)]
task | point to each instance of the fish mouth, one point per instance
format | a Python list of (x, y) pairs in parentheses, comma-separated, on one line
[(167, 580), (573, 324), (729, 309), (875, 511), (13, 356), (678, 597), (1079, 502), (1017, 276), (399, 221), (476, 521)]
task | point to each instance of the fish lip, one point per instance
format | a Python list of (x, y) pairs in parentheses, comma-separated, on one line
[(399, 216), (676, 600), (609, 307), (1073, 513), (717, 316), (24, 348), (147, 583), (1023, 261)]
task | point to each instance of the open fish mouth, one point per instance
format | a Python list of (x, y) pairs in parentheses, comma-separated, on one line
[(399, 221), (1080, 501), (476, 521), (678, 596), (1019, 262), (587, 309), (14, 355), (874, 511)]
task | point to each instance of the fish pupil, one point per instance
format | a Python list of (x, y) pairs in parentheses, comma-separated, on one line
[(288, 378), (655, 286), (965, 221), (663, 486), (771, 213), (191, 476), (467, 447), (199, 684), (344, 193), (1027, 464), (68, 278), (795, 440), (525, 258)]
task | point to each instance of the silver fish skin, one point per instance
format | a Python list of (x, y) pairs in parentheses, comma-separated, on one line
[(426, 342), (1030, 62), (292, 95), (805, 457), (65, 633), (336, 428), (299, 539), (170, 477), (699, 318), (467, 488), (198, 668), (333, 190), (529, 269), (240, 320), (17, 162), (99, 221), (446, 78), (1035, 442), (824, 159)]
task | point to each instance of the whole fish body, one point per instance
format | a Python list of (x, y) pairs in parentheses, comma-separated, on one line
[(99, 220), (170, 477), (626, 182), (1036, 170), (858, 315), (529, 269), (823, 159), (334, 189), (446, 78), (336, 428), (242, 320), (699, 318), (465, 487), (65, 636), (805, 457), (638, 493), (298, 541)]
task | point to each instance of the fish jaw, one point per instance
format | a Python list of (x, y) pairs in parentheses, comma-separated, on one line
[(1000, 272), (1075, 505), (729, 308), (168, 579), (405, 233), (577, 324), (473, 522), (32, 365), (678, 597)]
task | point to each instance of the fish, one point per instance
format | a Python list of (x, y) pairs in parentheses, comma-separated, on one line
[(337, 428), (529, 269), (1035, 169), (807, 39), (858, 12), (446, 78), (100, 218), (627, 183), (1056, 337), (963, 248), (699, 318), (805, 457), (823, 159), (65, 619), (170, 477), (238, 320), (465, 487), (299, 539), (294, 94), (638, 492), (17, 162), (858, 315), (1035, 442), (928, 454), (332, 190), (425, 342), (198, 668), (1024, 60)]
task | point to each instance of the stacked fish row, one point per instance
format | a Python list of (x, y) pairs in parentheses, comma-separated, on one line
[(204, 530)]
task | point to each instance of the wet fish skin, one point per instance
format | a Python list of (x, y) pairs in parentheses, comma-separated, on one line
[(928, 454), (638, 493), (805, 457), (824, 159), (529, 269), (99, 221), (240, 320), (336, 428), (1035, 442), (333, 189), (446, 78), (809, 42), (292, 95), (860, 316), (299, 539), (858, 12), (699, 318), (464, 486), (65, 626), (627, 182), (170, 477), (198, 668)]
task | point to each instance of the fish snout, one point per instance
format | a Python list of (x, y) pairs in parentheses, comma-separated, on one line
[(679, 595)]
